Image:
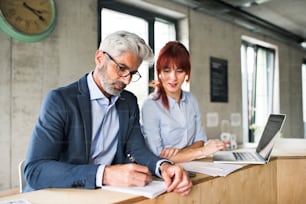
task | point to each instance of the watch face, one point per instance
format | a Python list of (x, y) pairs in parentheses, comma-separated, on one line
[(28, 16)]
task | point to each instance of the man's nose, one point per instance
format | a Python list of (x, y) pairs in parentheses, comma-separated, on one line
[(126, 79)]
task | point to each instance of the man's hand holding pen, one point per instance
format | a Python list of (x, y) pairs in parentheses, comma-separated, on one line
[(126, 175), (133, 174)]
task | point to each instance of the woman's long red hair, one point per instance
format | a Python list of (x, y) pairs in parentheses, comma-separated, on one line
[(172, 54)]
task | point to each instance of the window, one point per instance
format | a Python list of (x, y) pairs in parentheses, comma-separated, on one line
[(260, 87), (304, 94), (155, 29)]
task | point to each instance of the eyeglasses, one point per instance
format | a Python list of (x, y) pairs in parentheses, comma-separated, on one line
[(124, 71)]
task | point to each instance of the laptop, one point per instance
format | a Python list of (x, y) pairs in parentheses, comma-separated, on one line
[(263, 150)]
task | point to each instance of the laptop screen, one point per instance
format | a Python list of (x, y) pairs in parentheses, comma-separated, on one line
[(272, 128)]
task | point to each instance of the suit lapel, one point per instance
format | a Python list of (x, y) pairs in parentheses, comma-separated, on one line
[(123, 112), (85, 109)]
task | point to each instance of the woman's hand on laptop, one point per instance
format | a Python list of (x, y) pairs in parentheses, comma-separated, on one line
[(212, 146)]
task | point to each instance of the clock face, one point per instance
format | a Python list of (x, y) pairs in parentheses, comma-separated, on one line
[(27, 17)]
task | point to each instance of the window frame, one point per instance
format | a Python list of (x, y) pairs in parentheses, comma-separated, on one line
[(145, 14), (257, 44), (303, 73)]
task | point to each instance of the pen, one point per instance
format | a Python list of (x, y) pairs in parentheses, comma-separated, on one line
[(131, 158)]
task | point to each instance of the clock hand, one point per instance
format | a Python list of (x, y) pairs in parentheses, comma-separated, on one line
[(36, 12)]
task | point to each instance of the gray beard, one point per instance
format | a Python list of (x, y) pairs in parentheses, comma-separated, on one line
[(108, 85), (110, 89)]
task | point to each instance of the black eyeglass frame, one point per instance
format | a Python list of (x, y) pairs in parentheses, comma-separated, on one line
[(124, 71)]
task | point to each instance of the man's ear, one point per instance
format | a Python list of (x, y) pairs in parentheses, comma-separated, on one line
[(99, 57)]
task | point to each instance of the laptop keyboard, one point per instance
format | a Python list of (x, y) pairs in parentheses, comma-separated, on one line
[(244, 156)]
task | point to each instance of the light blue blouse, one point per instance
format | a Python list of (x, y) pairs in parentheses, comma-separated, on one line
[(179, 127)]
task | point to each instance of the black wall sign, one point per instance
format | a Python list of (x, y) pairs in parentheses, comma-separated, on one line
[(218, 80)]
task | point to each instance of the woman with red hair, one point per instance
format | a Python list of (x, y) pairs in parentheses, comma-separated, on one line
[(171, 120)]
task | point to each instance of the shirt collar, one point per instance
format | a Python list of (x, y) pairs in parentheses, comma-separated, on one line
[(172, 102), (94, 91)]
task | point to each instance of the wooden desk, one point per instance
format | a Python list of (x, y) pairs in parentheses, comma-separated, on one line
[(281, 181)]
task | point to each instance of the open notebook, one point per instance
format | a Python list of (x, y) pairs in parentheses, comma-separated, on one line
[(151, 190), (263, 150)]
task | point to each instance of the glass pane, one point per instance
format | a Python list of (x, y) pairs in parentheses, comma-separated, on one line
[(251, 75), (264, 88), (164, 32), (113, 21), (261, 103)]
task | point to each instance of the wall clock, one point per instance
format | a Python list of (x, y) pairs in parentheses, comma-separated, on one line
[(27, 20)]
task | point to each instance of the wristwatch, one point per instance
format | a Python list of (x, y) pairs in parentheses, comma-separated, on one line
[(161, 163)]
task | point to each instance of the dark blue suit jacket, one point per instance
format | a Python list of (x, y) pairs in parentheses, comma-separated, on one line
[(59, 150)]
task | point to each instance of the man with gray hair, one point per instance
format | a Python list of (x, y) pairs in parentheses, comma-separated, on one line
[(88, 134)]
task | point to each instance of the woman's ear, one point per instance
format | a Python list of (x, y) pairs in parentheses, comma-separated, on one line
[(187, 78)]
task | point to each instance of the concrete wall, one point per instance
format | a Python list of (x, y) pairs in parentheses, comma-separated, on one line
[(212, 37), (29, 70)]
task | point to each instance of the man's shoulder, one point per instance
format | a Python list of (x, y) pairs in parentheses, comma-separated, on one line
[(127, 100), (127, 97), (72, 90), (75, 86), (127, 94)]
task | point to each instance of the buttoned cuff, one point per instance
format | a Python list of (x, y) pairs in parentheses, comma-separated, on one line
[(99, 175), (158, 165)]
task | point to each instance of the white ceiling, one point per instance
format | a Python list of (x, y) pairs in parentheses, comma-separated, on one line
[(288, 14), (282, 19)]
